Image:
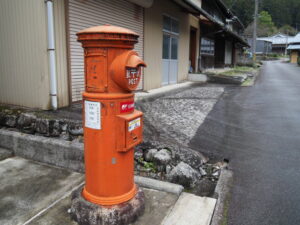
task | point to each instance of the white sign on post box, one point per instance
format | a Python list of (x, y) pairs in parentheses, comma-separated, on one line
[(92, 114)]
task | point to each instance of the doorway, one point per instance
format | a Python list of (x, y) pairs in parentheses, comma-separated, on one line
[(170, 50), (193, 43), (170, 59)]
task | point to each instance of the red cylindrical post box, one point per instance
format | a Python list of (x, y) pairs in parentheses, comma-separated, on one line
[(112, 127)]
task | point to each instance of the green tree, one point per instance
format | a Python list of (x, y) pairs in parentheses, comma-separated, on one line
[(287, 29), (243, 9), (266, 26), (283, 12)]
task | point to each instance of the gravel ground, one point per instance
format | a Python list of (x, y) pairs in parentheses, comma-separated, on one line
[(179, 116)]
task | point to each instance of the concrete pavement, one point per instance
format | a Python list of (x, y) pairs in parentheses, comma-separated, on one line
[(34, 193), (258, 128), (27, 188)]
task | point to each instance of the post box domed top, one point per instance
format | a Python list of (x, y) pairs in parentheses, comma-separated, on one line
[(107, 32), (107, 29)]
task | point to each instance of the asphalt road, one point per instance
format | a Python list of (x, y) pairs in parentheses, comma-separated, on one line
[(258, 129)]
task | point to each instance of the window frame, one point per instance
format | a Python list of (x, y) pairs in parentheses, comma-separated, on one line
[(210, 45), (170, 31)]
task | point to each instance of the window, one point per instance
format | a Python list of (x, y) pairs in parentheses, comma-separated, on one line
[(207, 46), (170, 38), (170, 25), (166, 46)]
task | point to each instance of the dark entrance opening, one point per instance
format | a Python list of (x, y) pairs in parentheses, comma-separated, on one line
[(193, 45)]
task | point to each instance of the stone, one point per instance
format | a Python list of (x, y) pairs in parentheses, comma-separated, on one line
[(149, 154), (63, 126), (47, 127), (205, 187), (11, 120), (188, 155), (75, 129), (202, 171), (87, 213), (162, 157), (168, 169), (2, 118), (184, 174), (54, 128), (42, 126), (26, 123), (138, 154), (216, 174)]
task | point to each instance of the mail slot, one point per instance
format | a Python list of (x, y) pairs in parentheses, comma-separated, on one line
[(132, 132)]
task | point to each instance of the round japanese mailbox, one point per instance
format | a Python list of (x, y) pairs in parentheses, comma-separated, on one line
[(112, 127)]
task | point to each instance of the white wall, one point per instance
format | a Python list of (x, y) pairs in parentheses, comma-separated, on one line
[(24, 76), (154, 38)]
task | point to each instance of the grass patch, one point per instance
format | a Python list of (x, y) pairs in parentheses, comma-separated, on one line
[(248, 82), (151, 166), (231, 73), (224, 220), (225, 212), (42, 115), (244, 68), (11, 110)]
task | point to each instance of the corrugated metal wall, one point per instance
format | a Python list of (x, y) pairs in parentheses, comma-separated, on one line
[(23, 46), (88, 13), (24, 76)]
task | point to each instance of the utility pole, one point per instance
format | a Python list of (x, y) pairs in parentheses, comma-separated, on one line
[(254, 31)]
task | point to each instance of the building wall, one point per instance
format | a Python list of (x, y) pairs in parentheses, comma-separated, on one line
[(294, 56), (153, 32), (24, 72), (23, 47)]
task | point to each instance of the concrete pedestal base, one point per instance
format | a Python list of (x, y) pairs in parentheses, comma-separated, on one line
[(87, 213)]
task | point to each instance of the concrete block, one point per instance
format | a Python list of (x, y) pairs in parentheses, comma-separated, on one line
[(162, 91), (197, 77), (191, 210), (52, 151), (222, 191), (158, 185), (4, 153)]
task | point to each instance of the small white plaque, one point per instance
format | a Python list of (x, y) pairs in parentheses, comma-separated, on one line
[(92, 114), (133, 124)]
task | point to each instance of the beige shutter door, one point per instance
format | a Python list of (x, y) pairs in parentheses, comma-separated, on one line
[(88, 13)]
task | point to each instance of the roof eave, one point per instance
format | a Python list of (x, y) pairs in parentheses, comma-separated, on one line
[(195, 9)]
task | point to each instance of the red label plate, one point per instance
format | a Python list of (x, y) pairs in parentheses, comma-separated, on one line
[(126, 106)]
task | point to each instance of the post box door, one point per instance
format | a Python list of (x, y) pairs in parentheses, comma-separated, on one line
[(96, 70), (131, 132)]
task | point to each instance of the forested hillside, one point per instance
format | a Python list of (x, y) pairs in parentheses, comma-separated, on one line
[(283, 12)]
